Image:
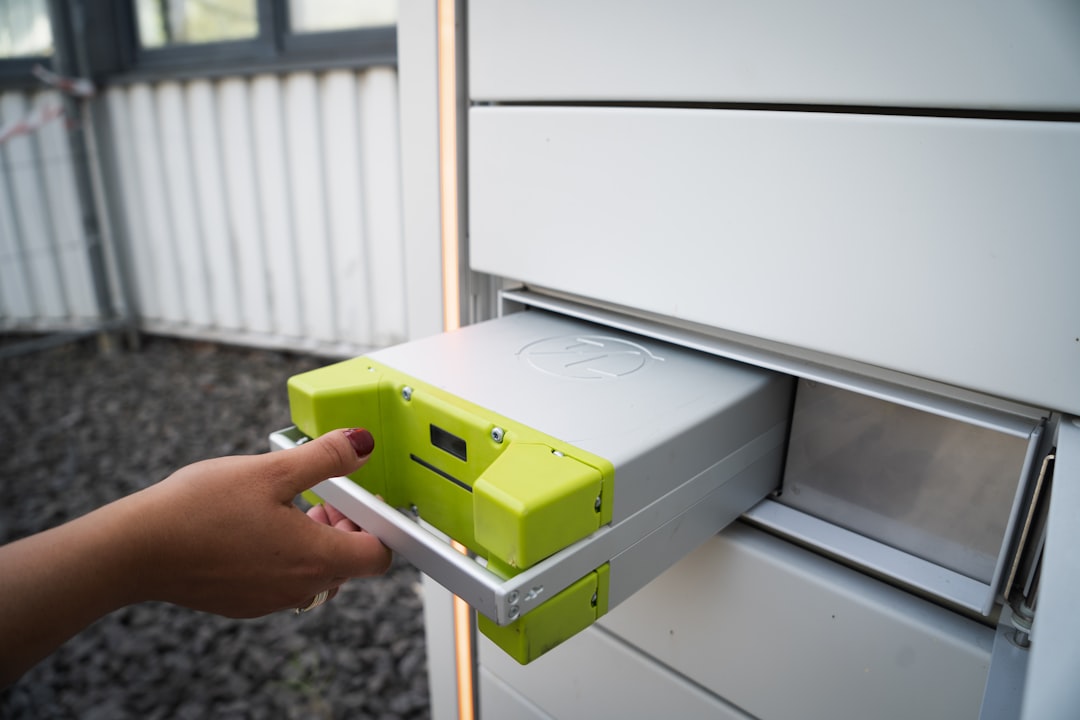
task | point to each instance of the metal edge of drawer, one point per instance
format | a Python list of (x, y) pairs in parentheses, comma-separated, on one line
[(645, 543)]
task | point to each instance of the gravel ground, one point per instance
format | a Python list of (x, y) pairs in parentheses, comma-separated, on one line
[(84, 428)]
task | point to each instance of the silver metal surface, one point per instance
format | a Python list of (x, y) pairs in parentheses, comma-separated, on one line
[(859, 550), (1052, 688), (691, 507), (1026, 528), (981, 515), (657, 412), (633, 568), (287, 438), (1008, 667), (947, 491), (907, 390)]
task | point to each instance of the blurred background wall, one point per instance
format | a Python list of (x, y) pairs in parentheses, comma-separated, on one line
[(233, 173)]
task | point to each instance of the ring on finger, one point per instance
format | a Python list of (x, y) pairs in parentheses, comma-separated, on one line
[(315, 602)]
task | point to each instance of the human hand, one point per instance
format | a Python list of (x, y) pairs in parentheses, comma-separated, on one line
[(330, 515), (223, 535)]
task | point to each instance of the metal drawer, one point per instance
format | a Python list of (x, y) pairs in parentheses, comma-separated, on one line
[(576, 462)]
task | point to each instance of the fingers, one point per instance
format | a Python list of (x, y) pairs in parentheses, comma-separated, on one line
[(319, 515), (354, 552), (338, 519), (338, 452), (357, 554), (330, 515)]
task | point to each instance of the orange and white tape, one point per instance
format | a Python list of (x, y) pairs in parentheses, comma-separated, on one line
[(27, 125)]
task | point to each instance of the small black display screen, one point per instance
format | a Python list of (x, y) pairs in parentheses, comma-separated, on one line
[(449, 442)]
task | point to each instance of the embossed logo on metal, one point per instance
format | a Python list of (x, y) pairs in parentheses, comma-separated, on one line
[(588, 357)]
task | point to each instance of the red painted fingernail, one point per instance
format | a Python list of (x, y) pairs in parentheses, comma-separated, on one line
[(362, 441)]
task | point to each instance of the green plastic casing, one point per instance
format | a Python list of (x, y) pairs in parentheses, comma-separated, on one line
[(512, 497), (556, 620)]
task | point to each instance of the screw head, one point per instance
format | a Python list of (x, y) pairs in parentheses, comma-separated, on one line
[(598, 504), (406, 392), (514, 612), (497, 434)]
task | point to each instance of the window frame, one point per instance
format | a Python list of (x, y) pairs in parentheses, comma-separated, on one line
[(16, 71), (109, 43), (274, 49)]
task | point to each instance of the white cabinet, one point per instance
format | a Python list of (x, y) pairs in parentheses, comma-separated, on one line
[(882, 197), (1004, 54), (940, 247)]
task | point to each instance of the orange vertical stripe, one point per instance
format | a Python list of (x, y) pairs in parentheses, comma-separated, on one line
[(463, 651), (448, 192), (448, 165)]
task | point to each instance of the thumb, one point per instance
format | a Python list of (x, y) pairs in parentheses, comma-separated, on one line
[(338, 452)]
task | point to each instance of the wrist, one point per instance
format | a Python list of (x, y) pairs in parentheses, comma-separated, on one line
[(123, 550)]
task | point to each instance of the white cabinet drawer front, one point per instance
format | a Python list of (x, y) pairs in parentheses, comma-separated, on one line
[(957, 53), (944, 248), (594, 675), (785, 634), (751, 624)]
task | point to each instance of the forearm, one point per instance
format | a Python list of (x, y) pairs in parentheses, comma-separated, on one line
[(221, 536), (54, 584)]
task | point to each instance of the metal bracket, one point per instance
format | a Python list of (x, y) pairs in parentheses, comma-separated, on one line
[(741, 475)]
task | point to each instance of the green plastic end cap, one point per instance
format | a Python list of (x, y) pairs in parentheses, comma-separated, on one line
[(336, 396), (342, 395), (553, 622), (532, 502)]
